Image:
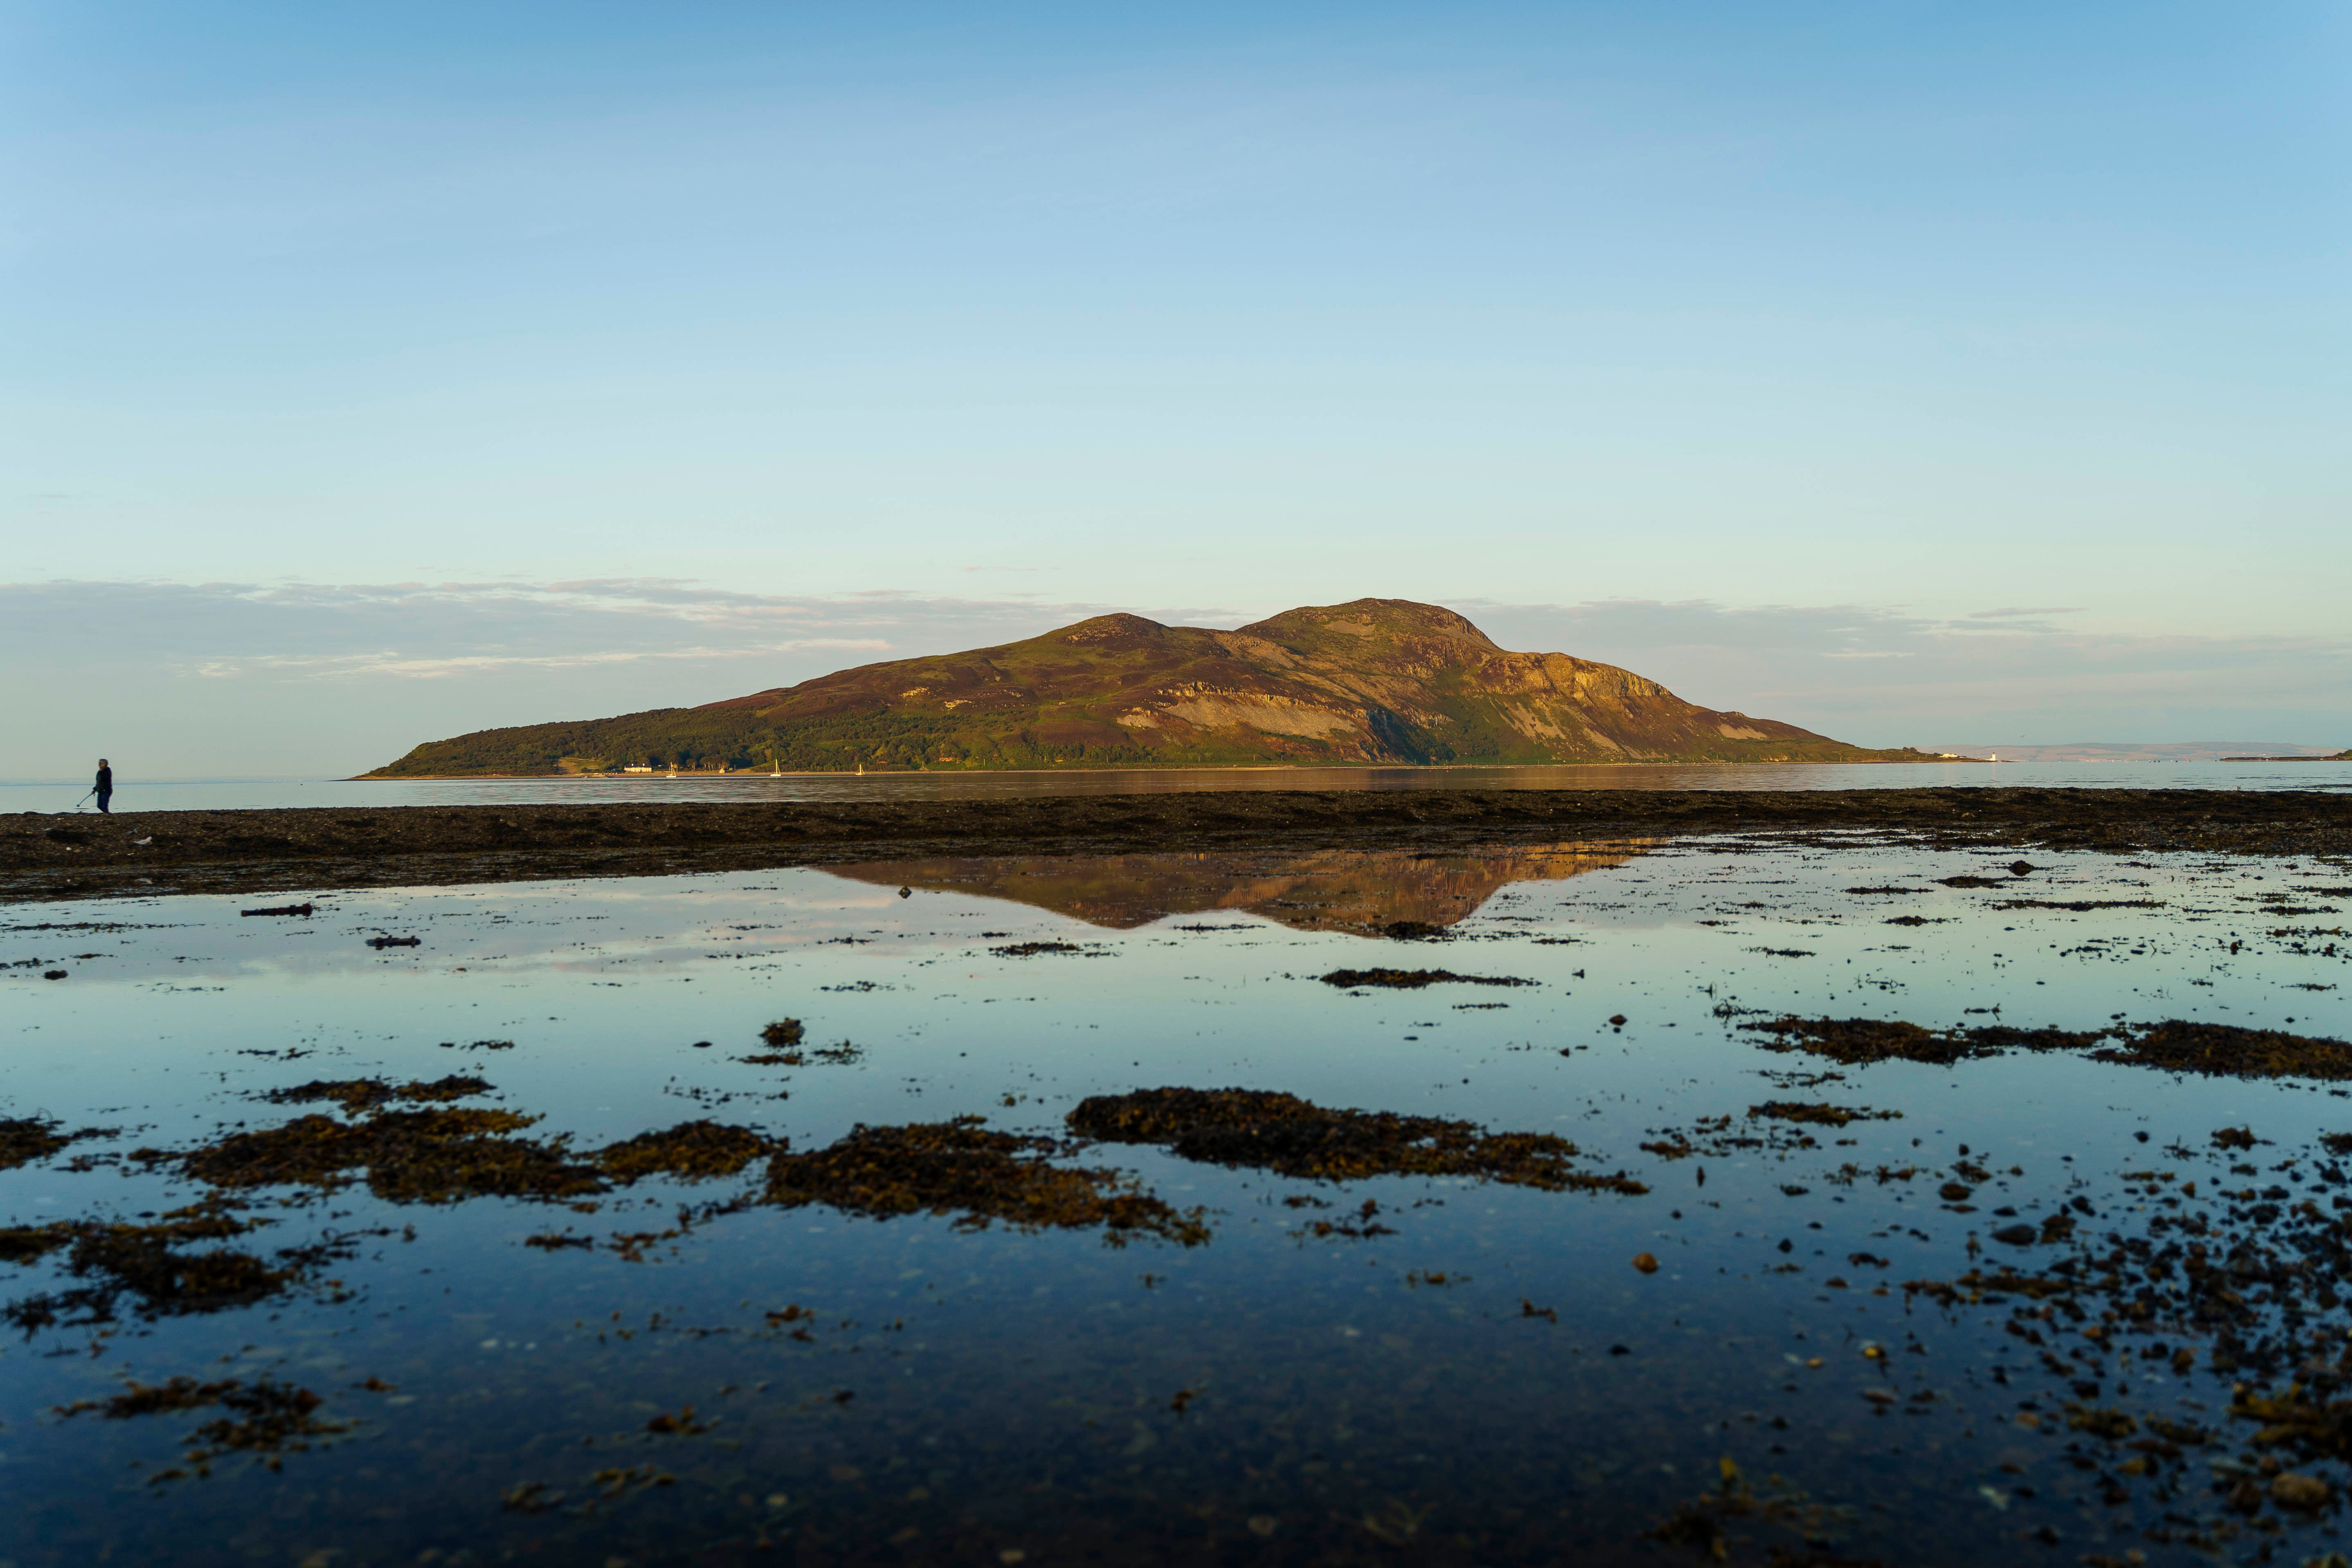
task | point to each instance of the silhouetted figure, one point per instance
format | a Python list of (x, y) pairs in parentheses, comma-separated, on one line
[(105, 790)]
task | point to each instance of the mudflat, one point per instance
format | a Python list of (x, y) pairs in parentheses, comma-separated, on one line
[(64, 856)]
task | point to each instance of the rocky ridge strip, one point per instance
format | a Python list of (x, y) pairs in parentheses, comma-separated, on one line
[(86, 856)]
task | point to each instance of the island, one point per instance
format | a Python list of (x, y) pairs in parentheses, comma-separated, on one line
[(1374, 682)]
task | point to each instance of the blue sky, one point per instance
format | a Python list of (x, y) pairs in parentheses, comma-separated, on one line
[(1880, 320)]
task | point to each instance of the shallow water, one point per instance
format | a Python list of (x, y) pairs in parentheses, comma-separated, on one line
[(225, 794), (1464, 1370)]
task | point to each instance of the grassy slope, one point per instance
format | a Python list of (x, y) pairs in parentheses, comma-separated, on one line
[(1408, 684)]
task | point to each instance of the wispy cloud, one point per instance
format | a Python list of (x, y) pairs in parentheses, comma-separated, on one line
[(1884, 674), (2013, 615), (224, 631), (307, 676)]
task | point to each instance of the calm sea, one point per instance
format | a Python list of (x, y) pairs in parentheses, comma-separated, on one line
[(218, 795)]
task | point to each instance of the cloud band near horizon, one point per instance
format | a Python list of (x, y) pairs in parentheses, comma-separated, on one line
[(238, 672)]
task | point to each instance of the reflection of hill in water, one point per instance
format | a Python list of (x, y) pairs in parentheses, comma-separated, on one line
[(1326, 890)]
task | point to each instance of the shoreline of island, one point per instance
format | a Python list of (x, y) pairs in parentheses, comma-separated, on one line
[(142, 854)]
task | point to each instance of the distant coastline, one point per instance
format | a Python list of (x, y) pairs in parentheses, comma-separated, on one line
[(2345, 756), (683, 775)]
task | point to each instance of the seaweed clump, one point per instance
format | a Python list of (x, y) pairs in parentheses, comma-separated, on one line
[(435, 1156), (1281, 1132), (24, 1139), (2217, 1050), (1413, 979), (359, 1094), (1819, 1115), (1857, 1041), (693, 1151), (266, 1418), (2224, 1050), (147, 1262), (960, 1167), (1703, 1523)]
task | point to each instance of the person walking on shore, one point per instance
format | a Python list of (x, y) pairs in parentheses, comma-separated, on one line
[(105, 788)]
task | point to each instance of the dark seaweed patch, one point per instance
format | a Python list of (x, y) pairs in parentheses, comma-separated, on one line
[(1413, 979), (438, 1156), (2224, 1050), (1857, 1040), (24, 1139), (1281, 1132), (1863, 1039), (1704, 1523), (692, 1151), (358, 1094), (149, 1263), (961, 1168), (1818, 1115), (2080, 906), (410, 1156), (265, 1418)]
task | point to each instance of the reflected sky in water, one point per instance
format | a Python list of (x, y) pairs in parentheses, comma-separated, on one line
[(1343, 1371)]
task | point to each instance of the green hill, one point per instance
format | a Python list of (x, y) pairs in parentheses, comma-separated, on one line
[(1373, 682)]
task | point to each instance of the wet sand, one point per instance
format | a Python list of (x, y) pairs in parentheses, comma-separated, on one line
[(62, 856)]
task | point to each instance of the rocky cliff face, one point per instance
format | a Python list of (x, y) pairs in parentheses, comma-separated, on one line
[(1375, 681)]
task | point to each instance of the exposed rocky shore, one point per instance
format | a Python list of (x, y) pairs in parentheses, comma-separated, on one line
[(56, 856)]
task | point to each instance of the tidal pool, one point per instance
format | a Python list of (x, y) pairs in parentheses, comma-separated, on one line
[(321, 1248)]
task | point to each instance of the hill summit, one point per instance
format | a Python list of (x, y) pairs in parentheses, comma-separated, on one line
[(1371, 682)]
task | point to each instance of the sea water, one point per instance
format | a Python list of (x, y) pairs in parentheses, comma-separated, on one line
[(1394, 1368)]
